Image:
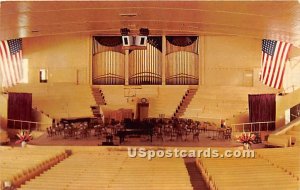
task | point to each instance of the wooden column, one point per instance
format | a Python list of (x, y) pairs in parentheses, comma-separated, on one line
[(89, 70), (126, 67), (163, 69), (201, 50)]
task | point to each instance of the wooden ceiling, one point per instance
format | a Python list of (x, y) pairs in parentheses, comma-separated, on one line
[(255, 19)]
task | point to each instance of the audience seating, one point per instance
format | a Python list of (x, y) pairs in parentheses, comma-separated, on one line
[(290, 138), (246, 173), (215, 102), (279, 140), (166, 102), (4, 137), (112, 169), (296, 128), (285, 158), (295, 133), (162, 99), (96, 170), (60, 100), (18, 165)]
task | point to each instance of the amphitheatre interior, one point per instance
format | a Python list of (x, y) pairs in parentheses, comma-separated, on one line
[(132, 95)]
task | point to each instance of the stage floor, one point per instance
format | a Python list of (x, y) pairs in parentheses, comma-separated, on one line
[(204, 141)]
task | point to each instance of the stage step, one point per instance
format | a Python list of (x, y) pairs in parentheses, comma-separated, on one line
[(98, 96), (186, 99)]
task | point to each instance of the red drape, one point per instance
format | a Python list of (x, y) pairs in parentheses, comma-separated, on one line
[(19, 108), (262, 107)]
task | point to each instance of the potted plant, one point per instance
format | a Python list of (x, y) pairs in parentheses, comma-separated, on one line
[(246, 139), (24, 137)]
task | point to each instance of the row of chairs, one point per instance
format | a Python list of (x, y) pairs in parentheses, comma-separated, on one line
[(96, 170), (186, 133), (244, 173), (286, 158), (78, 130), (18, 165)]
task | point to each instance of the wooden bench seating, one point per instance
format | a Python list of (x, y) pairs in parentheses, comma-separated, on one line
[(60, 100), (286, 159), (291, 137), (296, 128), (295, 133), (113, 171), (240, 173), (209, 101), (162, 99), (4, 139), (19, 165), (279, 140)]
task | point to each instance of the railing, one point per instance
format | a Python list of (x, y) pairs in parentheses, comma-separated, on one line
[(253, 127), (28, 125)]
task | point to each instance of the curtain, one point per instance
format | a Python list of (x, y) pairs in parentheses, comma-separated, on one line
[(262, 108), (19, 108)]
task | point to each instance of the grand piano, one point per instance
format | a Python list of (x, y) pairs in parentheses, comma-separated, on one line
[(136, 128)]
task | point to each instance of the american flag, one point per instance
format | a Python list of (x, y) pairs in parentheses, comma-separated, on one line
[(11, 62), (274, 56)]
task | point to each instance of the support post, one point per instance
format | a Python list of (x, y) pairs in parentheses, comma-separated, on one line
[(163, 66), (126, 67)]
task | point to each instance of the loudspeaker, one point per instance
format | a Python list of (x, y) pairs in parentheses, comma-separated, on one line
[(127, 40), (140, 40)]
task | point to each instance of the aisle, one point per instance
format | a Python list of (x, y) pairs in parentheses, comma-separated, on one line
[(195, 176)]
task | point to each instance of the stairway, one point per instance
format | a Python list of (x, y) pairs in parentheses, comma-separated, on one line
[(100, 100), (196, 178), (96, 111), (186, 99), (98, 96)]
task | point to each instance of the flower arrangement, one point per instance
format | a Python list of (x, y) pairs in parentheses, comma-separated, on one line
[(246, 138), (24, 136)]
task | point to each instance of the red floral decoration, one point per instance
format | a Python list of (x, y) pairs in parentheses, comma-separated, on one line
[(246, 138), (23, 135)]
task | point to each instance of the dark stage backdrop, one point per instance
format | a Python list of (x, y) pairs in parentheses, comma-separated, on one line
[(262, 107), (19, 108)]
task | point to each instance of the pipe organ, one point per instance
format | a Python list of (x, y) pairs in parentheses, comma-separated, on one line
[(145, 66)]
